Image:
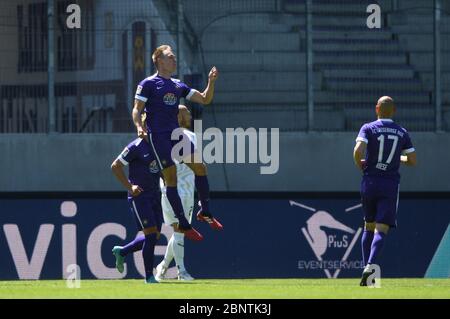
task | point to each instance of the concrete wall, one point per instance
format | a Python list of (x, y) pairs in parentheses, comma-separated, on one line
[(308, 162)]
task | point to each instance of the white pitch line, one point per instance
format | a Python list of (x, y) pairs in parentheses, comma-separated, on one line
[(353, 208)]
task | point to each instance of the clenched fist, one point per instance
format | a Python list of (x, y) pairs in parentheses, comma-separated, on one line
[(213, 74)]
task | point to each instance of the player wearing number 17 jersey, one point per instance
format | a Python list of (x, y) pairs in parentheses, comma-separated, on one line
[(381, 146)]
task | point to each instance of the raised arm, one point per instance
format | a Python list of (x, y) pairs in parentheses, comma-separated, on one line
[(358, 154), (207, 95)]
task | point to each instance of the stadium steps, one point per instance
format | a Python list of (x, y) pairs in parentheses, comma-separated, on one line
[(286, 118), (347, 83), (235, 61), (338, 7), (423, 61), (355, 44), (403, 110), (423, 42), (320, 96), (261, 58), (256, 22), (264, 81), (428, 79), (332, 34), (365, 57), (260, 97), (410, 124), (358, 72), (359, 69), (229, 42), (370, 96)]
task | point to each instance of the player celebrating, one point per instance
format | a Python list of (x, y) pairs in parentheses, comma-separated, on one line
[(186, 181), (159, 96), (380, 148), (144, 198)]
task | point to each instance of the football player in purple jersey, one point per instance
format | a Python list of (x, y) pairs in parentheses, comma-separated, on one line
[(159, 96), (381, 146), (144, 198)]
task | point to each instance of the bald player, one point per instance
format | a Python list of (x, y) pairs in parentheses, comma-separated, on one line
[(380, 148)]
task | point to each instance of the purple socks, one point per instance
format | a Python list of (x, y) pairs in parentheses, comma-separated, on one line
[(366, 243), (175, 202), (148, 253), (133, 246), (377, 246), (202, 185)]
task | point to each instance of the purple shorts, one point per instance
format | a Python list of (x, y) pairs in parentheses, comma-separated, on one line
[(146, 210), (379, 198), (162, 145)]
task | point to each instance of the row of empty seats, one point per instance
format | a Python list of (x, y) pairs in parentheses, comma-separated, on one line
[(262, 59)]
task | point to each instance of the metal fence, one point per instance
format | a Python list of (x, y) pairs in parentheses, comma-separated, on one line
[(294, 64)]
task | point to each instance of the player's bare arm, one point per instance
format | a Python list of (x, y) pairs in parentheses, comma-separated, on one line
[(207, 95), (117, 168), (358, 154), (409, 159), (137, 110)]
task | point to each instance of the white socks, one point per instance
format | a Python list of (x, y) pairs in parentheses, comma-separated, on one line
[(178, 250), (175, 250), (169, 253)]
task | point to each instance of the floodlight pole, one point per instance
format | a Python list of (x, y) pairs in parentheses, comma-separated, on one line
[(309, 65), (180, 23), (51, 67), (437, 64)]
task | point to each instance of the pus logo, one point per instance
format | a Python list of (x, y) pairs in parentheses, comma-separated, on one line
[(327, 235)]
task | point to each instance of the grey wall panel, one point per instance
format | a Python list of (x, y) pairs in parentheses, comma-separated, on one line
[(307, 162)]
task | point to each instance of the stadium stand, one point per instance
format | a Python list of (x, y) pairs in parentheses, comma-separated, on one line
[(262, 59), (259, 48)]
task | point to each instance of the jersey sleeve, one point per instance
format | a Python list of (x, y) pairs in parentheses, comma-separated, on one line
[(128, 154), (143, 91), (186, 91), (407, 145), (363, 135)]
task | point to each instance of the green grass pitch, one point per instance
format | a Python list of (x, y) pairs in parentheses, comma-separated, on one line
[(231, 288)]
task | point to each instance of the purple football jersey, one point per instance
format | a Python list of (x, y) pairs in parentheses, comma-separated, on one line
[(162, 97), (143, 168), (386, 141)]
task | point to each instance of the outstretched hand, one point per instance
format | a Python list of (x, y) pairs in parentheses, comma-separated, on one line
[(213, 74)]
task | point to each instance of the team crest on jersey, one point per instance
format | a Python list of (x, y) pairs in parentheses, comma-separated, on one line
[(154, 167), (170, 99)]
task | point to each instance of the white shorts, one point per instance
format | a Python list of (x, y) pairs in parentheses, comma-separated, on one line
[(169, 215)]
